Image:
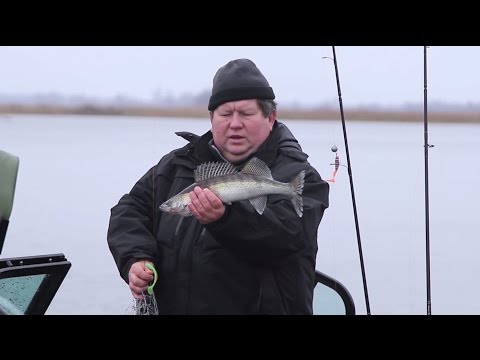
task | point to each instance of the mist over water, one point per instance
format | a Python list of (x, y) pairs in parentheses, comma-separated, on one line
[(73, 169)]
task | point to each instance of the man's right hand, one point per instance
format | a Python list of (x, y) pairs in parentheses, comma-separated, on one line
[(139, 278), (205, 206)]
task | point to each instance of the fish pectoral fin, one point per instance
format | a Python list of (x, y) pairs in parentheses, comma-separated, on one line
[(259, 203)]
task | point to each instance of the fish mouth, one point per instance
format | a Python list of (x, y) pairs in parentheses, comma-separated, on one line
[(164, 207)]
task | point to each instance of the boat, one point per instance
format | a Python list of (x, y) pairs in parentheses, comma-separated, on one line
[(28, 284)]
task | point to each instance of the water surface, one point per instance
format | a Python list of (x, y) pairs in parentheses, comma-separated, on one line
[(73, 169)]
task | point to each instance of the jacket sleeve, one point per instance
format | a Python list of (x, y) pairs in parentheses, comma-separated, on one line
[(130, 234), (279, 232)]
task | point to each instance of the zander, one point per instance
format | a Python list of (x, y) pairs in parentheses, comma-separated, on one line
[(254, 182)]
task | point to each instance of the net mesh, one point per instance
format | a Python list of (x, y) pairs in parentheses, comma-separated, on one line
[(145, 306)]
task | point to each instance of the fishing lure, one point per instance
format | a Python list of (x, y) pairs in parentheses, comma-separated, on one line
[(336, 163)]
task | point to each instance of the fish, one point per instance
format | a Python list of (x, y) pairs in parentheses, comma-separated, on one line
[(254, 182)]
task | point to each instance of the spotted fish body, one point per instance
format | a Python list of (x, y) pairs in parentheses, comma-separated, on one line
[(254, 183)]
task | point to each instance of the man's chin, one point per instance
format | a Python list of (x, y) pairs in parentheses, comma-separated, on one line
[(237, 156), (237, 150)]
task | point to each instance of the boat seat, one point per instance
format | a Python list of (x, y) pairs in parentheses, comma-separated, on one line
[(8, 180)]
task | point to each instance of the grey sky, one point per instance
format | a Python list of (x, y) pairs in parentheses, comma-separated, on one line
[(382, 75)]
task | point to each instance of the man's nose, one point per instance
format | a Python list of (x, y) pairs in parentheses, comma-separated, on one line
[(236, 120)]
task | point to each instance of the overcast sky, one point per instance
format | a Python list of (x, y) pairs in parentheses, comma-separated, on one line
[(380, 75)]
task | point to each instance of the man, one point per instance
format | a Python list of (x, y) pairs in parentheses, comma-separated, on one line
[(225, 259)]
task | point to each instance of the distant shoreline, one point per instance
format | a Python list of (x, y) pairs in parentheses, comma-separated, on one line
[(288, 114)]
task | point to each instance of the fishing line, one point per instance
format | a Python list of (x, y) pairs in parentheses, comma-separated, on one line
[(349, 168), (332, 128)]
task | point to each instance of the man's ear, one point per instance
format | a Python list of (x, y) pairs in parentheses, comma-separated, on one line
[(271, 118)]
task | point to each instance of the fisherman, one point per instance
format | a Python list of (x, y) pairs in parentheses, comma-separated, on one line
[(227, 258)]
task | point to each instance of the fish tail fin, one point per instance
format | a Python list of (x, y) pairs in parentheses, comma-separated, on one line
[(297, 186)]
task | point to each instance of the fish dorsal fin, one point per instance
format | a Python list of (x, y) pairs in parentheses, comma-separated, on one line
[(257, 167), (213, 169)]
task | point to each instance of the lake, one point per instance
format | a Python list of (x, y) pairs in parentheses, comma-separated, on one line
[(73, 169)]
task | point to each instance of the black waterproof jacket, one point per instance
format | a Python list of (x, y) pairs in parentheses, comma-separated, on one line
[(244, 263)]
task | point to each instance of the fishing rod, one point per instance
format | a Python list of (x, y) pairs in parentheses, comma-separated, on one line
[(426, 147), (357, 227)]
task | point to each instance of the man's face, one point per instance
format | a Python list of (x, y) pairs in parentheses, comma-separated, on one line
[(239, 128)]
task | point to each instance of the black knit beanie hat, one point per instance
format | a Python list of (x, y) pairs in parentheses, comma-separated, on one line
[(239, 80)]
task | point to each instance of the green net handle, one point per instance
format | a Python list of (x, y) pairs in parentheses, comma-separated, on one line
[(155, 277)]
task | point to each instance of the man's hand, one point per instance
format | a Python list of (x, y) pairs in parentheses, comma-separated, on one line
[(139, 278), (205, 205)]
